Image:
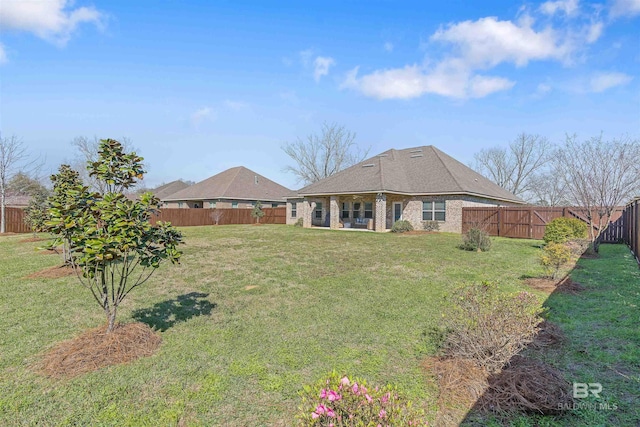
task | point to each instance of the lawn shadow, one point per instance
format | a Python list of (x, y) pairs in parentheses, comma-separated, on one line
[(166, 314)]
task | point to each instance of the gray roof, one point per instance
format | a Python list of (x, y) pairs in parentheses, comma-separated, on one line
[(166, 190), (236, 183), (413, 171)]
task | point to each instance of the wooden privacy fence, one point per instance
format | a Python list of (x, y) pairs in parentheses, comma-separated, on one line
[(191, 217), (523, 222), (14, 218), (631, 227)]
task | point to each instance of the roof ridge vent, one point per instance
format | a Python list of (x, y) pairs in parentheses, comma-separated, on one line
[(416, 155), (368, 165)]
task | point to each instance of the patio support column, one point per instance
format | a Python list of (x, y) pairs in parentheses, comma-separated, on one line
[(334, 212), (307, 211), (381, 212)]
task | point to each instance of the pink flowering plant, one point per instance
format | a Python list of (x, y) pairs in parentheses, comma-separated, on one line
[(343, 401)]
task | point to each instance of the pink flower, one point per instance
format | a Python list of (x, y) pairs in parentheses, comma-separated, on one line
[(323, 393), (320, 409), (330, 413), (355, 388), (332, 396), (345, 381), (314, 415), (382, 413), (369, 399), (385, 398)]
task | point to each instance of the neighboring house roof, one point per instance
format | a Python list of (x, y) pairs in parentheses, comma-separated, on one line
[(166, 190), (412, 171), (17, 200), (236, 183)]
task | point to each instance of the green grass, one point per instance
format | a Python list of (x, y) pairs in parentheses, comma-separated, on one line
[(254, 313)]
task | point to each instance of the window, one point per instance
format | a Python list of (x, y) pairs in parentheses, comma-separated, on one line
[(234, 205), (368, 209), (180, 204), (294, 209), (212, 205), (356, 210), (274, 205), (433, 211), (318, 210), (345, 209)]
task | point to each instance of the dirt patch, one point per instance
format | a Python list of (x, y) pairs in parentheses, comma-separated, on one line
[(589, 255), (549, 335), (31, 239), (249, 287), (95, 349), (565, 285), (526, 385), (418, 233), (52, 273), (48, 252)]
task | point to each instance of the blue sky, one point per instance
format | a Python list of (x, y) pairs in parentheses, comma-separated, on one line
[(202, 86)]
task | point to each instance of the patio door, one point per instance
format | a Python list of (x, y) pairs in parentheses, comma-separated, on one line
[(397, 211)]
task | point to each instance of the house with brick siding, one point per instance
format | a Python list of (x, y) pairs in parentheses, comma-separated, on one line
[(237, 187), (415, 184)]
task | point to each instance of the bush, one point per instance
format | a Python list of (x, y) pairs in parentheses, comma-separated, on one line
[(298, 223), (475, 240), (401, 226), (561, 230), (554, 257), (341, 401), (489, 327), (431, 225)]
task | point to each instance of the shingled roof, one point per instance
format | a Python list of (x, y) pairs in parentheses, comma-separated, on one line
[(237, 183), (167, 190), (412, 171)]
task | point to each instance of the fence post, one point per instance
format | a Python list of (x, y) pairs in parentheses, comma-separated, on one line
[(499, 220)]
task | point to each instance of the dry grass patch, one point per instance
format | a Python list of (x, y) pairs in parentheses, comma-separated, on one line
[(565, 285), (95, 349), (54, 272)]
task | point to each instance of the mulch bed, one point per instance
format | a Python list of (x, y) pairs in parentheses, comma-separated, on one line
[(565, 285), (52, 273), (95, 349), (31, 239), (549, 335)]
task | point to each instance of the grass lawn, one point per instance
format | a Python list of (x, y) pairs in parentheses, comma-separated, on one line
[(253, 313)]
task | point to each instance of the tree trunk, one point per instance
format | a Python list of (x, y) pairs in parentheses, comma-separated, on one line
[(2, 214), (111, 319)]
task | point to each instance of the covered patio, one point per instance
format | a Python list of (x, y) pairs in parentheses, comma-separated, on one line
[(347, 211)]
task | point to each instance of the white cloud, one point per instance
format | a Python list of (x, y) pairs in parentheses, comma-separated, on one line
[(543, 89), (625, 8), (569, 7), (235, 105), (321, 67), (305, 57), (447, 79), (388, 47), (52, 20), (604, 81), (488, 42), (594, 31), (202, 115)]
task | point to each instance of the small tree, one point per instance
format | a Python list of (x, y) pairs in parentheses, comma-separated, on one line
[(554, 257), (114, 246), (65, 209), (257, 212), (36, 214), (217, 216)]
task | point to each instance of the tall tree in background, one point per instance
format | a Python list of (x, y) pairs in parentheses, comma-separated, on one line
[(599, 176), (516, 167), (13, 159), (320, 156), (24, 185), (549, 189)]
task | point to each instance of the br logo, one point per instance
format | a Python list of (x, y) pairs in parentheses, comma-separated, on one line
[(582, 390)]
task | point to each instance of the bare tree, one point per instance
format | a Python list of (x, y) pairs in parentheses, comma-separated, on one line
[(515, 168), (599, 176), (87, 151), (549, 189), (217, 216), (13, 159), (320, 156)]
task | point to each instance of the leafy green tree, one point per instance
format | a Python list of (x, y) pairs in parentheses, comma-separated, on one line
[(68, 200), (257, 212), (115, 248), (36, 214)]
